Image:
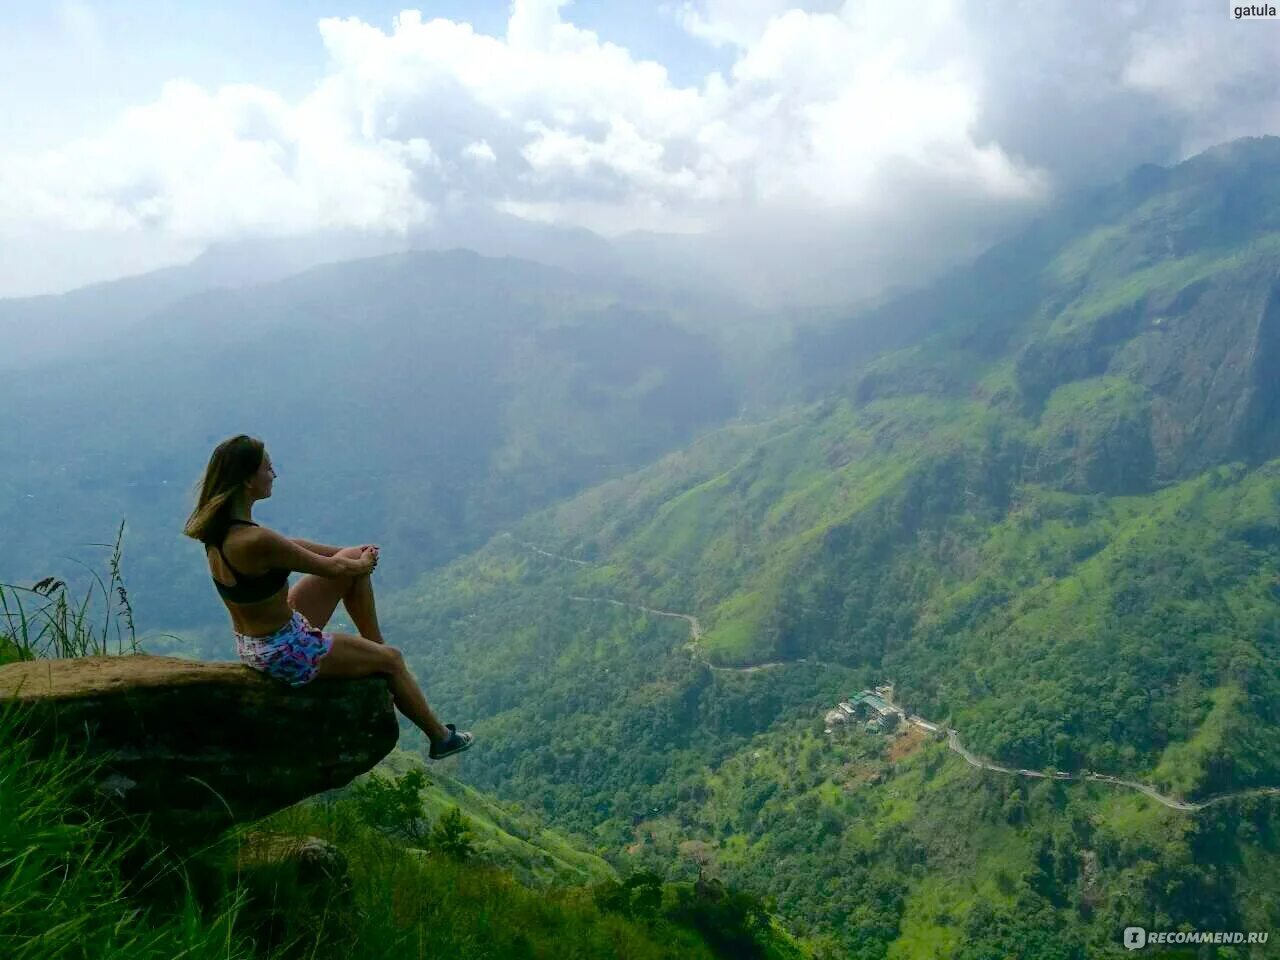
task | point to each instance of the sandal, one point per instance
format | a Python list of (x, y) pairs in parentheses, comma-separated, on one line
[(456, 743)]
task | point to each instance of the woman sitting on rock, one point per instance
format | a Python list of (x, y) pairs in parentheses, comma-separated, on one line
[(272, 624)]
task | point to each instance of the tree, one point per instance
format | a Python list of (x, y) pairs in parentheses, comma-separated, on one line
[(452, 836), (640, 896), (731, 921), (394, 806)]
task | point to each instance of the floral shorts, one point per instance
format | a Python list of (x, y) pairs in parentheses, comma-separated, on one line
[(291, 654)]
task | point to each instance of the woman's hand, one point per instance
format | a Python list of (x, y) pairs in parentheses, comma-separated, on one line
[(363, 564)]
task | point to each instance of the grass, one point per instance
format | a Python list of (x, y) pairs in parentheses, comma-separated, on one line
[(65, 632), (733, 638), (62, 877), (67, 892), (506, 837), (922, 934), (1083, 402), (408, 905), (1077, 260), (1167, 276)]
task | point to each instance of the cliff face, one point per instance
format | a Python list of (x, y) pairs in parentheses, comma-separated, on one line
[(200, 746), (1167, 283), (1209, 361), (1172, 282), (1160, 389)]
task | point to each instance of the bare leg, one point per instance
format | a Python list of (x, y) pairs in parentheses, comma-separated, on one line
[(359, 603), (410, 701), (405, 691)]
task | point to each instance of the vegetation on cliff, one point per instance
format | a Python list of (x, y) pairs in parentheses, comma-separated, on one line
[(417, 873)]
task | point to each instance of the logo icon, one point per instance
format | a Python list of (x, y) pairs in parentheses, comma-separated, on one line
[(1135, 938)]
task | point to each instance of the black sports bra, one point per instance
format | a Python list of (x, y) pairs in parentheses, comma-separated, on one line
[(249, 589)]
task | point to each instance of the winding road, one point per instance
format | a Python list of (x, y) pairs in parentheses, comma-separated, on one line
[(695, 634), (554, 556), (953, 738), (953, 741)]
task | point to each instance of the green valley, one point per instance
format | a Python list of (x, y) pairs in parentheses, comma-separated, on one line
[(1050, 523)]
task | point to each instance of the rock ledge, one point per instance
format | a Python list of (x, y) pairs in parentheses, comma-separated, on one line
[(201, 746)]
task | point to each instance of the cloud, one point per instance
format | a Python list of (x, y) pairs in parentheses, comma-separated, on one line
[(1218, 83), (208, 166), (730, 22), (1087, 89), (480, 153), (837, 123)]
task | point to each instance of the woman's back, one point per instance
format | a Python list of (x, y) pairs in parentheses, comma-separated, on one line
[(256, 597)]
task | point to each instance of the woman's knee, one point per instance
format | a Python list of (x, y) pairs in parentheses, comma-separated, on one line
[(349, 578), (391, 660)]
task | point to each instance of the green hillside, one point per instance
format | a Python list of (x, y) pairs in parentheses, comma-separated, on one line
[(503, 834), (1038, 497), (76, 886)]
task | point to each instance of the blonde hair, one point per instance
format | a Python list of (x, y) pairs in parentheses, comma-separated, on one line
[(233, 461)]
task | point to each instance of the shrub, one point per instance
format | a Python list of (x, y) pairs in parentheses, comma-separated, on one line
[(394, 806), (452, 837)]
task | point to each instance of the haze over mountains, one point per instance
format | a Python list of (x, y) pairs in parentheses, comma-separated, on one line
[(711, 268), (427, 396), (1038, 495), (49, 327)]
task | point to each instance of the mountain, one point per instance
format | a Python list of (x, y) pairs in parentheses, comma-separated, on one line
[(84, 322), (1165, 281), (80, 323), (417, 400), (1039, 498)]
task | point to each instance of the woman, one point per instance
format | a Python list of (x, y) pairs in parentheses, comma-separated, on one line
[(250, 565)]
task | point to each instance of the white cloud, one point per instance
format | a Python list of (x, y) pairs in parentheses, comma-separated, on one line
[(480, 153), (806, 112), (205, 166), (1222, 83), (733, 22), (859, 109)]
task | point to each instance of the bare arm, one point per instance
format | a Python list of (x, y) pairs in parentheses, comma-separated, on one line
[(320, 548), (280, 551)]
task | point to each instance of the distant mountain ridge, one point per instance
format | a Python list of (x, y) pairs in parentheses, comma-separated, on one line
[(56, 327)]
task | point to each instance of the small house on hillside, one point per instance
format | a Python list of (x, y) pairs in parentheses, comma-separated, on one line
[(870, 705)]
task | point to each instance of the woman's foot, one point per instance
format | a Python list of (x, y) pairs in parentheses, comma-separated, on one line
[(456, 743)]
